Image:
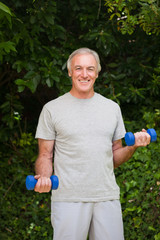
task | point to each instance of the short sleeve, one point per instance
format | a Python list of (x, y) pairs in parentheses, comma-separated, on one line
[(45, 127), (120, 128)]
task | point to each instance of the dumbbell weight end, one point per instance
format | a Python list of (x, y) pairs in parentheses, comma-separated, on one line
[(153, 134)]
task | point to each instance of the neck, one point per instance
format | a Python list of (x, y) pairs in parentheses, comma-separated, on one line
[(82, 95)]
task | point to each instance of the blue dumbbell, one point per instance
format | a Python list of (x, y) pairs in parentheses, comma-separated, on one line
[(31, 182), (130, 138)]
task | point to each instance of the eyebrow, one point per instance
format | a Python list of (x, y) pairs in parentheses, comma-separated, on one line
[(77, 66), (91, 67)]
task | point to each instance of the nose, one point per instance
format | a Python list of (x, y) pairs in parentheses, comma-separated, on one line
[(84, 73)]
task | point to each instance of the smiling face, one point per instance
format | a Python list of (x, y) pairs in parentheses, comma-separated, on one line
[(83, 73)]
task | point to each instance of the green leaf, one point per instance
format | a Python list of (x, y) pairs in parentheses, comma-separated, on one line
[(32, 19), (21, 88), (112, 65), (4, 8), (31, 83), (157, 236), (8, 46), (48, 81), (151, 228), (56, 78), (20, 82), (49, 19), (131, 209)]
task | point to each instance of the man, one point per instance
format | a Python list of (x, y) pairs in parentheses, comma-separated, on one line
[(84, 129)]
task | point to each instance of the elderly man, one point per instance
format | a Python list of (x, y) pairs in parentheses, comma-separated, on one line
[(84, 130)]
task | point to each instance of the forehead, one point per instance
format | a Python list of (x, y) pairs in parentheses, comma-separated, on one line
[(84, 59)]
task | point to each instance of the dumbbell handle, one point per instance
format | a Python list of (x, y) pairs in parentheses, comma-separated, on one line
[(31, 182), (130, 138)]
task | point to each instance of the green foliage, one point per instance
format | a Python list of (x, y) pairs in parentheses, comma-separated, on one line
[(139, 181), (36, 38), (5, 9), (22, 212), (130, 14)]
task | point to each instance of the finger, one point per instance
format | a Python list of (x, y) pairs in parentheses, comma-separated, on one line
[(47, 184), (148, 138), (144, 130), (37, 176), (138, 138), (37, 186), (43, 185), (142, 139)]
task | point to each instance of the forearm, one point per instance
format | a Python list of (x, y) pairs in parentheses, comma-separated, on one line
[(43, 166), (122, 155)]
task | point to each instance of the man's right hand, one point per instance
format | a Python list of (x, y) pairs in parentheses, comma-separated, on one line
[(43, 184)]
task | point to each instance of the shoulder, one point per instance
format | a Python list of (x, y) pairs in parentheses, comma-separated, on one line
[(57, 102), (106, 101)]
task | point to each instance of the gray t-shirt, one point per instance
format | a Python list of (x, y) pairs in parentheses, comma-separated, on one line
[(83, 130)]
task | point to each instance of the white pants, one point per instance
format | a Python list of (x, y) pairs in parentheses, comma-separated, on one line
[(73, 221)]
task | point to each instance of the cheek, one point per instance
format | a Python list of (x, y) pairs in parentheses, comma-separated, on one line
[(74, 76), (93, 76)]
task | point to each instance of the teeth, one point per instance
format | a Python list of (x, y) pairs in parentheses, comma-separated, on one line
[(84, 81)]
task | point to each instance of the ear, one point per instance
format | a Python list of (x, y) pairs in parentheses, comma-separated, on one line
[(69, 73)]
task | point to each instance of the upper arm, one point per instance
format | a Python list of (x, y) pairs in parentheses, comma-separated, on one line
[(46, 147)]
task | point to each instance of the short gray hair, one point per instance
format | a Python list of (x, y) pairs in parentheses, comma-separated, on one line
[(83, 51)]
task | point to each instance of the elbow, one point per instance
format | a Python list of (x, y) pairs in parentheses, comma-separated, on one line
[(115, 164)]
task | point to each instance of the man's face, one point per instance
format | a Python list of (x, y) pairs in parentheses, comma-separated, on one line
[(83, 73)]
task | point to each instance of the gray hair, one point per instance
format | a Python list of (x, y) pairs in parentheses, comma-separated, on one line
[(83, 51)]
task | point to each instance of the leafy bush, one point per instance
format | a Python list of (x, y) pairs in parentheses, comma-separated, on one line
[(139, 181), (24, 214), (36, 39)]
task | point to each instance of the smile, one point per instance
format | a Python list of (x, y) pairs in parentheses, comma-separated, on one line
[(84, 81)]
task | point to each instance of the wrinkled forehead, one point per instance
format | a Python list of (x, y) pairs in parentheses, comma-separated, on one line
[(85, 59)]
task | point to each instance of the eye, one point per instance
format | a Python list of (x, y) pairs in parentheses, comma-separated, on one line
[(91, 69), (77, 68)]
